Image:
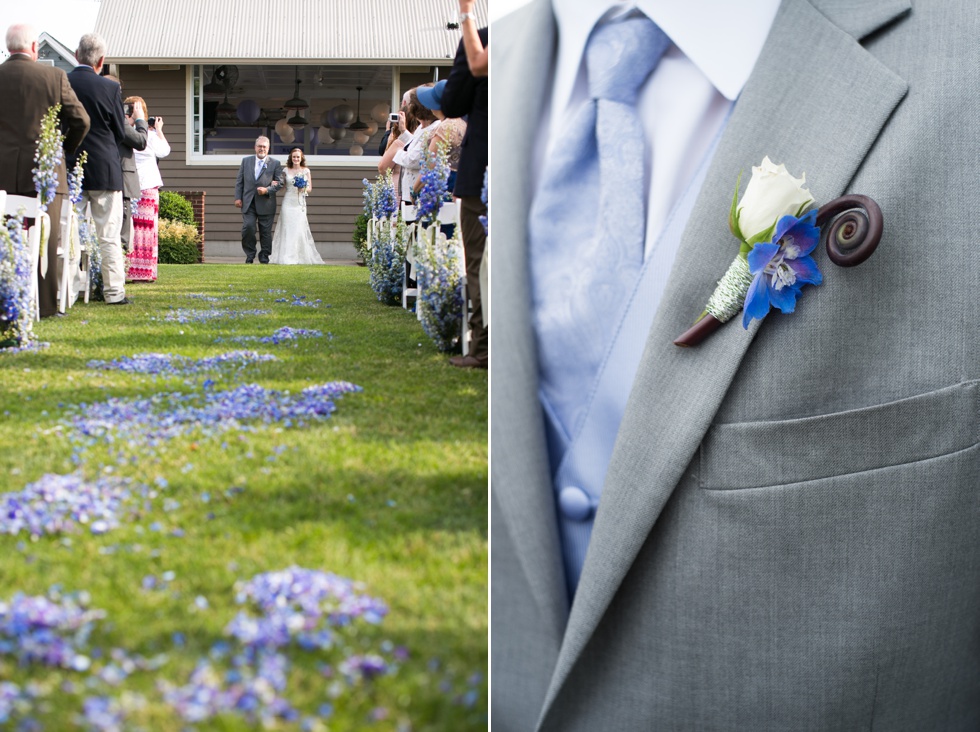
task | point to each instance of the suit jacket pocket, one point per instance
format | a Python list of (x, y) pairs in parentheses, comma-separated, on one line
[(756, 454)]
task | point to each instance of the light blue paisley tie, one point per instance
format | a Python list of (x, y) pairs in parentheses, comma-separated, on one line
[(588, 219)]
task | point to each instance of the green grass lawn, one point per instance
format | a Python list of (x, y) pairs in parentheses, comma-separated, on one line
[(390, 491)]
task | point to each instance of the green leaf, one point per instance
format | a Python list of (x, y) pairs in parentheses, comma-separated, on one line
[(733, 215), (803, 209), (764, 235)]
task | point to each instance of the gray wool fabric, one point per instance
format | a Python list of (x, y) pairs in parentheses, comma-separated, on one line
[(789, 531)]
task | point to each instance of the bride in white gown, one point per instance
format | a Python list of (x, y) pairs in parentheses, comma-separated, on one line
[(293, 241)]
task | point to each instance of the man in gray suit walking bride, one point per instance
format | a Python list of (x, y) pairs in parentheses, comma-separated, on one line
[(259, 179)]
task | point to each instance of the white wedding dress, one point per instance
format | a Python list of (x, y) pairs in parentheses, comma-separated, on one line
[(293, 241)]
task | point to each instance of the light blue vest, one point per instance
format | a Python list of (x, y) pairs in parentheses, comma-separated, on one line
[(583, 460)]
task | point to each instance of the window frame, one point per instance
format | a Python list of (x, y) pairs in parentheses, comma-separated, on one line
[(195, 132)]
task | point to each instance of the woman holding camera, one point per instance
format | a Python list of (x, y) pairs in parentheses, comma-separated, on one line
[(410, 155), (143, 260)]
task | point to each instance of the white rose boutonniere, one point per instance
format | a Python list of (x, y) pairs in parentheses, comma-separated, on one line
[(771, 194), (777, 231)]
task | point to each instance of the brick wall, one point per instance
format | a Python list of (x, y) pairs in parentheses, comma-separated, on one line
[(197, 201)]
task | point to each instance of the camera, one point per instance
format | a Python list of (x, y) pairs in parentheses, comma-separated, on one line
[(128, 109), (151, 121), (393, 116)]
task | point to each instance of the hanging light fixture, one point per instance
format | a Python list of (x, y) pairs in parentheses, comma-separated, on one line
[(226, 107), (358, 126), (296, 103)]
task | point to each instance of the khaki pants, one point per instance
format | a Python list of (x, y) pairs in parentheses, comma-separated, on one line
[(107, 212)]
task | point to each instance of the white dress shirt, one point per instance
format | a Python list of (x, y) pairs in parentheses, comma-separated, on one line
[(687, 98)]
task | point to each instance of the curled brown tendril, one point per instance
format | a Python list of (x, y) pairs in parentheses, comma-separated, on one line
[(856, 225)]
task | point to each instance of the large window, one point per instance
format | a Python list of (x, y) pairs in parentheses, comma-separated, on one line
[(315, 107)]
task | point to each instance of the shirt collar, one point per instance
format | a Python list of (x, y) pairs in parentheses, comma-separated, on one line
[(724, 49)]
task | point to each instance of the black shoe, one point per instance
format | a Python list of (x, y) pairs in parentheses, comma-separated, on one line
[(263, 261), (249, 260), (124, 301)]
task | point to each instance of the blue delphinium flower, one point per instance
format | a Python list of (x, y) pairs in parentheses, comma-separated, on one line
[(16, 303), (48, 156), (440, 301), (368, 196), (383, 197), (434, 176), (782, 266)]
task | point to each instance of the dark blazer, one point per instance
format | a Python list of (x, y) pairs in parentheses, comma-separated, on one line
[(135, 140), (466, 96), (103, 101), (272, 177), (29, 89)]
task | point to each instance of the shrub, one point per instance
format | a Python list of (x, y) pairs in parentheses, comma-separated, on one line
[(178, 243), (175, 207), (360, 237)]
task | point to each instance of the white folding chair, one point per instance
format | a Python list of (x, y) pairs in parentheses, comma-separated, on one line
[(372, 226), (85, 276), (464, 334), (26, 207), (68, 255), (449, 213), (410, 273)]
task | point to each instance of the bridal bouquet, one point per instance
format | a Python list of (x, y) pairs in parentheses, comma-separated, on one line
[(300, 182)]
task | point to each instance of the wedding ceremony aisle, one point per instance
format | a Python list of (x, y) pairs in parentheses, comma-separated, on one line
[(254, 498)]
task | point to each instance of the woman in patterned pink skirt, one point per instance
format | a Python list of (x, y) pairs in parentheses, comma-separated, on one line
[(143, 260)]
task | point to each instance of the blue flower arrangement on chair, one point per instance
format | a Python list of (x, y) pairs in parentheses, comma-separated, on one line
[(387, 260), (440, 301)]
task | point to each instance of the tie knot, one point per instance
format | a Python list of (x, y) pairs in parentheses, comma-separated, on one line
[(621, 55)]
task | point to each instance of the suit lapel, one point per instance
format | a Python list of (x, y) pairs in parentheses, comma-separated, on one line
[(523, 54), (816, 101)]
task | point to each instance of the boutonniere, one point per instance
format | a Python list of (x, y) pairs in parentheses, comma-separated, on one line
[(778, 230)]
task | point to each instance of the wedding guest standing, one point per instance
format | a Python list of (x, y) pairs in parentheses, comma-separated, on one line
[(396, 137), (103, 183), (449, 133), (143, 260), (29, 89), (409, 157), (136, 130), (466, 95), (259, 178)]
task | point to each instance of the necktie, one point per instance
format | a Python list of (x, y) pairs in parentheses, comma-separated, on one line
[(588, 218)]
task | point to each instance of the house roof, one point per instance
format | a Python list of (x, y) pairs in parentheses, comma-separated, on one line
[(288, 31), (58, 47)]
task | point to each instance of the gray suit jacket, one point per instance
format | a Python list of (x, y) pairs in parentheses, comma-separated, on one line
[(272, 177), (789, 531)]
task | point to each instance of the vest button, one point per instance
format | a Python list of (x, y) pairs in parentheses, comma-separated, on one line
[(575, 504)]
